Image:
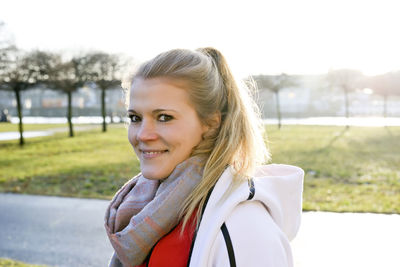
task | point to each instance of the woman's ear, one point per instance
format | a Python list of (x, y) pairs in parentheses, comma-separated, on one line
[(213, 122)]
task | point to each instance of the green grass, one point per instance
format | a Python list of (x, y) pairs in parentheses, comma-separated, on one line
[(92, 164), (355, 169), (12, 127), (12, 263), (346, 170)]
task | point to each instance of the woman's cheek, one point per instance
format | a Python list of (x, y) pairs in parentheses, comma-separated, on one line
[(131, 135)]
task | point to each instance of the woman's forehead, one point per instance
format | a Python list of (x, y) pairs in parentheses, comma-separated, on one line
[(157, 94), (162, 80)]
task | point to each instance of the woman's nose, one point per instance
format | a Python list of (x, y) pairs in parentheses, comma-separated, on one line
[(146, 132)]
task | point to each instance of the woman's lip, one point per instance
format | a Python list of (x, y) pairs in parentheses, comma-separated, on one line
[(152, 150), (149, 154)]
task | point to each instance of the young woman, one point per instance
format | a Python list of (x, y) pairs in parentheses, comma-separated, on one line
[(203, 197)]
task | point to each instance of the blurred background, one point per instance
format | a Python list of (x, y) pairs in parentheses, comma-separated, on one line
[(326, 76)]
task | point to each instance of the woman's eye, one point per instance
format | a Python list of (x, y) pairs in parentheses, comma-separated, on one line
[(134, 118), (165, 117)]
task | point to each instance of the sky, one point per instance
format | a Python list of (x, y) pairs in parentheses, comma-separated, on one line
[(256, 37)]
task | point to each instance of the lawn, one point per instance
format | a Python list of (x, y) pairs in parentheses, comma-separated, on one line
[(12, 263), (13, 127), (92, 164), (355, 169)]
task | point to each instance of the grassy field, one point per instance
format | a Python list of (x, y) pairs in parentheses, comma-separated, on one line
[(12, 263), (12, 127), (92, 164), (355, 169)]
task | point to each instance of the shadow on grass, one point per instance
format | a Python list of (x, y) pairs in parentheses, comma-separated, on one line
[(335, 139), (388, 131), (54, 137), (30, 147), (389, 141), (86, 181)]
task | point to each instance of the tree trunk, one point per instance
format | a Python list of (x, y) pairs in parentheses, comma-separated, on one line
[(69, 114), (346, 102), (385, 106), (19, 110), (278, 109), (103, 108)]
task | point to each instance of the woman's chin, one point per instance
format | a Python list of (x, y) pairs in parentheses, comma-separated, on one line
[(154, 175)]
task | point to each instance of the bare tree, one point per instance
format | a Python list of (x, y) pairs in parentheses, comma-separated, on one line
[(385, 85), (275, 84), (7, 46), (347, 80), (69, 76), (23, 71), (105, 70)]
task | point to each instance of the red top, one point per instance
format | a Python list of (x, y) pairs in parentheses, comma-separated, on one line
[(173, 249)]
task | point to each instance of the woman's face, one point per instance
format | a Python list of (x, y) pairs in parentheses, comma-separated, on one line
[(164, 126)]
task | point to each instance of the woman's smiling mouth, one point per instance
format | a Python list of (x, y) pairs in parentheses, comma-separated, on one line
[(148, 154)]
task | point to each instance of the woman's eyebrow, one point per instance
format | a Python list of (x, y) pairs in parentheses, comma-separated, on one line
[(154, 111), (162, 110)]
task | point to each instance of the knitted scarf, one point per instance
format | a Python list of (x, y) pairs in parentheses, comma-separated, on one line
[(144, 210)]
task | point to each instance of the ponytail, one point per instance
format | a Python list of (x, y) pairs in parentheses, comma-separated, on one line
[(239, 141)]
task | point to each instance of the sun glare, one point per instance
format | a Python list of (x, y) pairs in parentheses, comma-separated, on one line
[(368, 91)]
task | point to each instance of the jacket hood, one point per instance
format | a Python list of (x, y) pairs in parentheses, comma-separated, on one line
[(279, 187)]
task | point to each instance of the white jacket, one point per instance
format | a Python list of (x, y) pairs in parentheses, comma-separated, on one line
[(258, 229)]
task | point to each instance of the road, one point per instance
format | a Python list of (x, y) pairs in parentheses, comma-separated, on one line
[(54, 231)]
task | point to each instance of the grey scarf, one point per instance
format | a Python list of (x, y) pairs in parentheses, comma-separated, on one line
[(144, 210)]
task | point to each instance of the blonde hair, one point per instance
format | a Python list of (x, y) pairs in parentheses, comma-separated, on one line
[(237, 140)]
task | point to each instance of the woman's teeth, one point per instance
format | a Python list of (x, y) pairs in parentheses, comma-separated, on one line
[(152, 152)]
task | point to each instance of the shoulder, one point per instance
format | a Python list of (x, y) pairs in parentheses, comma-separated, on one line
[(259, 220), (255, 237)]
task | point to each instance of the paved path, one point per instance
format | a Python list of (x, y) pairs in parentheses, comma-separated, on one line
[(347, 240), (69, 232), (53, 230)]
